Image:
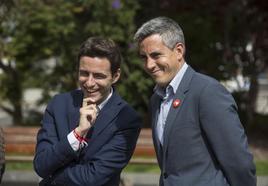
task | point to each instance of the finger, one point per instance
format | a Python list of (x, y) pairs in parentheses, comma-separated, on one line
[(89, 110), (91, 117), (92, 107), (84, 102), (88, 101)]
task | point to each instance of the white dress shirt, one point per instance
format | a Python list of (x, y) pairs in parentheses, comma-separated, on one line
[(167, 96)]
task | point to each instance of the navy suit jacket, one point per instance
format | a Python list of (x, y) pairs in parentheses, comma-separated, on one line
[(112, 141), (204, 143)]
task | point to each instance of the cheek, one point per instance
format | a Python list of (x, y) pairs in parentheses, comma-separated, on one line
[(146, 69), (103, 85), (81, 80), (171, 63), (161, 64), (145, 66)]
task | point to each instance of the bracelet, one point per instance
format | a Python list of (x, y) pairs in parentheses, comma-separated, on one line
[(78, 137)]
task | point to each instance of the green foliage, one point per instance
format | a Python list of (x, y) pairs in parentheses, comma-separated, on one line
[(201, 35), (35, 32), (38, 33), (222, 39)]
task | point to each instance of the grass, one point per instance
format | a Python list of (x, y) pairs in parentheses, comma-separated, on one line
[(19, 166), (262, 167), (142, 168)]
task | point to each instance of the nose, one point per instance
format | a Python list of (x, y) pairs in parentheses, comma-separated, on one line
[(90, 82), (149, 64)]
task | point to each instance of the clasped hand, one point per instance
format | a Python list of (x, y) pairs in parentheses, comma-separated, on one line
[(88, 114)]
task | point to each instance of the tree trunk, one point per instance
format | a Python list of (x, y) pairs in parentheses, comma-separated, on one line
[(17, 118), (252, 99), (15, 97)]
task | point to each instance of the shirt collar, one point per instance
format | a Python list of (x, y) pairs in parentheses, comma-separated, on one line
[(173, 85), (103, 103)]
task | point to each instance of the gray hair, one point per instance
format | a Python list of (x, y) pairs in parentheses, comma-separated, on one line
[(170, 32)]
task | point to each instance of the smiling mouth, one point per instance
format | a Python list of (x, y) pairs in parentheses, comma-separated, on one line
[(91, 92), (154, 73)]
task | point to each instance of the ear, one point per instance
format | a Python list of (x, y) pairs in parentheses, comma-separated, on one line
[(116, 76), (180, 50)]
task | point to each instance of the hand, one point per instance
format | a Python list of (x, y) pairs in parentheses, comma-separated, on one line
[(88, 114)]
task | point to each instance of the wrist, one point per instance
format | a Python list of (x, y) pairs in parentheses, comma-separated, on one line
[(81, 139), (80, 131)]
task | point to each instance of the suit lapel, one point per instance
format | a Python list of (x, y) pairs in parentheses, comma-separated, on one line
[(174, 112), (107, 114), (156, 100), (73, 118), (73, 112), (109, 111)]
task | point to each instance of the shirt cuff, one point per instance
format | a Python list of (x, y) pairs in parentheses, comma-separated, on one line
[(75, 144)]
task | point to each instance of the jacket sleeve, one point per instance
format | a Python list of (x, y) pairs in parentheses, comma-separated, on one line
[(52, 153), (109, 160), (221, 125)]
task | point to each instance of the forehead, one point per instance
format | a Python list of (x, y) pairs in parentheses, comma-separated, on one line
[(95, 64), (152, 43)]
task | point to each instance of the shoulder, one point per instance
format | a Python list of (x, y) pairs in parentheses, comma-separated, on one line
[(210, 90), (62, 97), (204, 79), (126, 108), (205, 82), (65, 99), (127, 113)]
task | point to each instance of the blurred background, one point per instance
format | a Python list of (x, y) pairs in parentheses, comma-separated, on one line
[(226, 39)]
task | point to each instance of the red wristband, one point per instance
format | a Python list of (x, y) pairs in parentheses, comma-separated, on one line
[(78, 137)]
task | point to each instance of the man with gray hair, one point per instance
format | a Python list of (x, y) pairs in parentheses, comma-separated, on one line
[(197, 134)]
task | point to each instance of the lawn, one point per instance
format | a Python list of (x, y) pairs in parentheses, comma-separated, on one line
[(262, 167)]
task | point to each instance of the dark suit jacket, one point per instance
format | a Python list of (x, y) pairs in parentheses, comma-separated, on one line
[(204, 143), (112, 140)]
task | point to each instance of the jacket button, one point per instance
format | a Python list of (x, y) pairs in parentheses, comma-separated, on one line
[(165, 175)]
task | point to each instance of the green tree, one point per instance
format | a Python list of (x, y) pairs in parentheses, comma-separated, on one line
[(10, 87), (35, 31), (244, 46), (222, 37)]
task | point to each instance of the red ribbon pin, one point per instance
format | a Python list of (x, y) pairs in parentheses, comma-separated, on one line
[(176, 103)]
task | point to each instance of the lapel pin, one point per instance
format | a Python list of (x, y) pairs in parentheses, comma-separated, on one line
[(176, 103)]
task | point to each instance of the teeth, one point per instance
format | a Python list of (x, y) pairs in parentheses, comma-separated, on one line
[(155, 71), (91, 92)]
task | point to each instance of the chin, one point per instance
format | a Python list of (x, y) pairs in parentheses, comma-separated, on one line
[(161, 83), (93, 97)]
